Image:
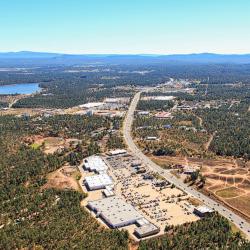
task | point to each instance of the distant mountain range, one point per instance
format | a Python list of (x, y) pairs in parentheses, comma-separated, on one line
[(58, 58)]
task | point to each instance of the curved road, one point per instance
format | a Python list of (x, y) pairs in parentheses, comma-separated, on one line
[(242, 224)]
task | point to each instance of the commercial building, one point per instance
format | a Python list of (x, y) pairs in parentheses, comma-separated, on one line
[(151, 138), (146, 230), (122, 100), (202, 211), (115, 211), (98, 181), (91, 105), (108, 193), (95, 163), (159, 98), (143, 113), (142, 222), (188, 170), (118, 152), (163, 115)]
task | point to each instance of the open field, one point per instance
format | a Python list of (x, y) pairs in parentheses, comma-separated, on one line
[(226, 178), (242, 203), (229, 192), (21, 111), (50, 145), (63, 178)]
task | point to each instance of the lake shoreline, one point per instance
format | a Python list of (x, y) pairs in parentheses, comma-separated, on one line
[(20, 89)]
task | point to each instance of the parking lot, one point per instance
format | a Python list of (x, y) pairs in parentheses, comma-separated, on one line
[(157, 200)]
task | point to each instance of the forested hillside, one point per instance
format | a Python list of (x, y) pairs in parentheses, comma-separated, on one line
[(36, 218)]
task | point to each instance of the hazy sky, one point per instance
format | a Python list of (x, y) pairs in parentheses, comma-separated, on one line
[(125, 26)]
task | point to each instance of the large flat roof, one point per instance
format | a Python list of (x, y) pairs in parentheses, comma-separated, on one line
[(115, 211), (95, 163), (98, 181), (118, 151), (204, 209), (91, 105)]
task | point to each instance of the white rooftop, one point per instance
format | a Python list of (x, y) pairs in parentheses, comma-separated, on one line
[(159, 98), (112, 100), (204, 209), (91, 105), (142, 222), (164, 98), (95, 163), (98, 181), (143, 112), (118, 152), (115, 211), (108, 193)]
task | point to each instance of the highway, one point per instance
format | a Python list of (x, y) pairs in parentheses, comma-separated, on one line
[(242, 224)]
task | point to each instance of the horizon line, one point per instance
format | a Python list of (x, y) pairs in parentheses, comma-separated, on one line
[(135, 54)]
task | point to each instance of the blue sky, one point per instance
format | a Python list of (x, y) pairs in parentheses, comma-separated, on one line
[(125, 26)]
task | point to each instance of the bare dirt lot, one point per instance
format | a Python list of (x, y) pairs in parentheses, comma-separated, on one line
[(20, 111), (63, 178), (226, 178)]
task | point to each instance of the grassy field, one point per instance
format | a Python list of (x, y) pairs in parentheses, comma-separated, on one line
[(35, 145), (242, 203), (229, 192)]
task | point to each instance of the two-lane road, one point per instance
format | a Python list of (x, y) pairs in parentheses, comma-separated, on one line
[(127, 127)]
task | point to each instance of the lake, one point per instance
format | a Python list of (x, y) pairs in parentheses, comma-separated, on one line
[(20, 88)]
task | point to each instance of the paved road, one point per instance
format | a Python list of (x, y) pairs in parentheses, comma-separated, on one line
[(234, 218)]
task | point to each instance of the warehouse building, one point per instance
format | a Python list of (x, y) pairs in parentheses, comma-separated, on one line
[(98, 181), (202, 211), (95, 163), (117, 152), (115, 211), (91, 105)]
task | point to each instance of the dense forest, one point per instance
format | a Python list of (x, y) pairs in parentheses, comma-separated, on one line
[(231, 128), (154, 105), (34, 217), (210, 233), (67, 86)]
